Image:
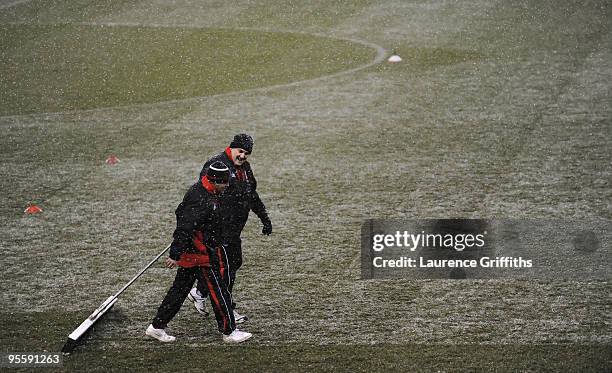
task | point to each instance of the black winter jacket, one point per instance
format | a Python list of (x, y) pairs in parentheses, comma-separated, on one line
[(200, 212), (241, 195)]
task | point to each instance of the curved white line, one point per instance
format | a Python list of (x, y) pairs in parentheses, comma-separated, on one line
[(380, 56), (13, 3)]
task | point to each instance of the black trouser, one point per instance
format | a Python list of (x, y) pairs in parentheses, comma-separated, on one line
[(215, 278), (234, 254)]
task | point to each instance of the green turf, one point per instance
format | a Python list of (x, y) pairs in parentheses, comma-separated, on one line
[(357, 358), (60, 11), (499, 110), (67, 67), (98, 352)]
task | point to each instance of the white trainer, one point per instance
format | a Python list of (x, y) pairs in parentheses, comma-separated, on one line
[(199, 302), (240, 318), (159, 334), (237, 336)]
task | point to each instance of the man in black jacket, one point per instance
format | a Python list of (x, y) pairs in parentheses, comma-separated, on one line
[(242, 197), (198, 249)]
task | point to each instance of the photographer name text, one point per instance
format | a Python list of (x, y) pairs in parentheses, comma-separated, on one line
[(484, 262)]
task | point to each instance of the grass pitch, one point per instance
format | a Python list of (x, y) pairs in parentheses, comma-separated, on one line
[(498, 110), (70, 67)]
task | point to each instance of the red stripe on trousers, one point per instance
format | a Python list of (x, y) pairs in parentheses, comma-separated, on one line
[(213, 295), (221, 264)]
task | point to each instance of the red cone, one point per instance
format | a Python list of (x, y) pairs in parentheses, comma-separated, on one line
[(112, 160), (33, 209)]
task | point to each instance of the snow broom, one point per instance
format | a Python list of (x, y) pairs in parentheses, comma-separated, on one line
[(78, 333)]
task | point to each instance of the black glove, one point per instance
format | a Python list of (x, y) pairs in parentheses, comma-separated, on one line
[(267, 227)]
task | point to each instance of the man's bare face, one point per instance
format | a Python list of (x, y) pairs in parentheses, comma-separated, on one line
[(239, 156), (220, 188)]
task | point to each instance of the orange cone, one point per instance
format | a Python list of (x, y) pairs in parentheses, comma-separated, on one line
[(33, 209), (112, 160)]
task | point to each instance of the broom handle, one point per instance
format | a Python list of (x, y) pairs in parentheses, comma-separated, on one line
[(141, 272)]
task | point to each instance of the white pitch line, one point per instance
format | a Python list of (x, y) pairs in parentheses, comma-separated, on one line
[(380, 57), (4, 5)]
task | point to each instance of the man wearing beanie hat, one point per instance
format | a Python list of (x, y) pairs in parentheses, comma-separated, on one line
[(242, 141), (242, 198), (198, 250)]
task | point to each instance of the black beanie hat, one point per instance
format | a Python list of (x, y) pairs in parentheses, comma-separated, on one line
[(243, 141), (218, 173)]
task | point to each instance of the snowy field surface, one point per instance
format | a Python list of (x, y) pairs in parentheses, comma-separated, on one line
[(498, 109)]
